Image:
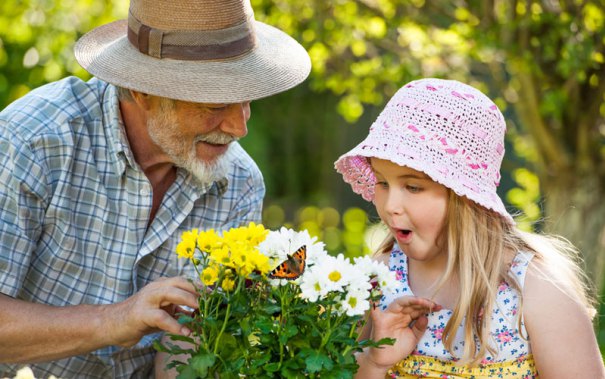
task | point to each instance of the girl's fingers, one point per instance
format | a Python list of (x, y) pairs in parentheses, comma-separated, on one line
[(419, 326), (408, 304)]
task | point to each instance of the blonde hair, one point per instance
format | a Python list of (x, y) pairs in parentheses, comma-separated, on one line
[(478, 244)]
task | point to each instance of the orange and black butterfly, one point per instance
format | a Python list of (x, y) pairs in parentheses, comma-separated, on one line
[(292, 267)]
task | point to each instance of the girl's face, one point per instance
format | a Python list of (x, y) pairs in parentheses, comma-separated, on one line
[(413, 207)]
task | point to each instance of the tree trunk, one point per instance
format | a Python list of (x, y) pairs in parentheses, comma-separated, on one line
[(575, 209)]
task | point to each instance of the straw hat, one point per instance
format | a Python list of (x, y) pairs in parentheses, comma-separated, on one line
[(449, 130), (207, 51)]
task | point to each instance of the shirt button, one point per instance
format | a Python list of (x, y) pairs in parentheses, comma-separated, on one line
[(144, 192)]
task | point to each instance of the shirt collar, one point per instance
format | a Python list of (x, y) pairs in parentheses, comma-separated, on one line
[(115, 131)]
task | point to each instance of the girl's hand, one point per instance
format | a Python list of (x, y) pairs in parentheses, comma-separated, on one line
[(405, 320)]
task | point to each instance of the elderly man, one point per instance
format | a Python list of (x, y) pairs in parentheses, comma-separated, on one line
[(100, 178)]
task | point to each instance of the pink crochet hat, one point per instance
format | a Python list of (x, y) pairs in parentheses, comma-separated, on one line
[(449, 130)]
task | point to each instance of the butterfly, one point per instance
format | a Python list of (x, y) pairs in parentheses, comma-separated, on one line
[(292, 267)]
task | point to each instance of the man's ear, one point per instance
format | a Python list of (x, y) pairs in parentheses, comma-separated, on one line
[(143, 100)]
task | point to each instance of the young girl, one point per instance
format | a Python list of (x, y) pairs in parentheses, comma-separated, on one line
[(511, 304)]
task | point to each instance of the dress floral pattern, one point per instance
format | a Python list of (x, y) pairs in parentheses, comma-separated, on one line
[(430, 359)]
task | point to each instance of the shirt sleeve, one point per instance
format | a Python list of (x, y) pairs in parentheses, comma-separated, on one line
[(23, 189)]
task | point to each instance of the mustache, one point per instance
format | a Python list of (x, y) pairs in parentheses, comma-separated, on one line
[(216, 138)]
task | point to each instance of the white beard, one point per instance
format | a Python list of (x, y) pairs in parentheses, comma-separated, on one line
[(164, 131)]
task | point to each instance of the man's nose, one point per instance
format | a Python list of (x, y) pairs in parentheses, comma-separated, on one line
[(235, 120)]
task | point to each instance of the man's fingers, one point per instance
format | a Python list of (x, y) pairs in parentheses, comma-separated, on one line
[(187, 311), (176, 296), (162, 320), (177, 281)]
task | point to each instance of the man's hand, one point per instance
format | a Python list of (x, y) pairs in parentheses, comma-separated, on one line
[(31, 332), (152, 309)]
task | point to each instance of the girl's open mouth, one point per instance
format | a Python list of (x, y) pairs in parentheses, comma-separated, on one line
[(403, 235)]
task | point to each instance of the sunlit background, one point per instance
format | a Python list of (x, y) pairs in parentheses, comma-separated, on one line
[(541, 61)]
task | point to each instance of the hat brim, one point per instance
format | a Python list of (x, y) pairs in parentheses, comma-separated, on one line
[(357, 172), (276, 64)]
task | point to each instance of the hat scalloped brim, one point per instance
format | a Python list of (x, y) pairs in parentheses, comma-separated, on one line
[(276, 64)]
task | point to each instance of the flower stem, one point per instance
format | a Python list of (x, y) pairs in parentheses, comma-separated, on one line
[(283, 316), (218, 337), (351, 332), (227, 315)]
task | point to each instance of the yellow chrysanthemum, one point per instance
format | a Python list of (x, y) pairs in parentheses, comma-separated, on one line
[(208, 240), (259, 262), (190, 235), (228, 284), (257, 233), (240, 262), (186, 248), (252, 234), (221, 255), (209, 275)]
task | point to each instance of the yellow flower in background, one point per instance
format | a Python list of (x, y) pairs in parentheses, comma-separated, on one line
[(208, 240), (209, 275), (228, 284)]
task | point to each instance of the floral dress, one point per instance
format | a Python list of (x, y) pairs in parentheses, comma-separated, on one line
[(430, 359)]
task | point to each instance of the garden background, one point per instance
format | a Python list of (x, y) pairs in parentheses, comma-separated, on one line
[(542, 61)]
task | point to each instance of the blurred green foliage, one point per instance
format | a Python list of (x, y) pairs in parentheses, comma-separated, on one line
[(37, 38), (346, 233)]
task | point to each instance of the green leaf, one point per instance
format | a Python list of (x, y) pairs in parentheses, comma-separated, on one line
[(201, 363), (178, 337), (272, 367), (184, 319), (157, 345), (292, 372), (339, 373), (316, 361), (187, 372)]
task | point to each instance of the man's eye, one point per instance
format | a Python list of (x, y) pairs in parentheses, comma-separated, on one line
[(217, 107)]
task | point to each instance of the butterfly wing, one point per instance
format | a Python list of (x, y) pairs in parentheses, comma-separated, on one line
[(292, 267)]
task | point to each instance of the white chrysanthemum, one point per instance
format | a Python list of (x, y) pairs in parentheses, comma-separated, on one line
[(378, 271), (312, 287), (283, 242), (355, 303), (337, 273)]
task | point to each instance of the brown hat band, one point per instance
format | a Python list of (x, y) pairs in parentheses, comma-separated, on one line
[(191, 45)]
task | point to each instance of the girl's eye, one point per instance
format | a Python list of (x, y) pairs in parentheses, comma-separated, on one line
[(413, 189), (382, 184)]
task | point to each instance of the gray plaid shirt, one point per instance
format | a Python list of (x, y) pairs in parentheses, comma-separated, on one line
[(74, 208)]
